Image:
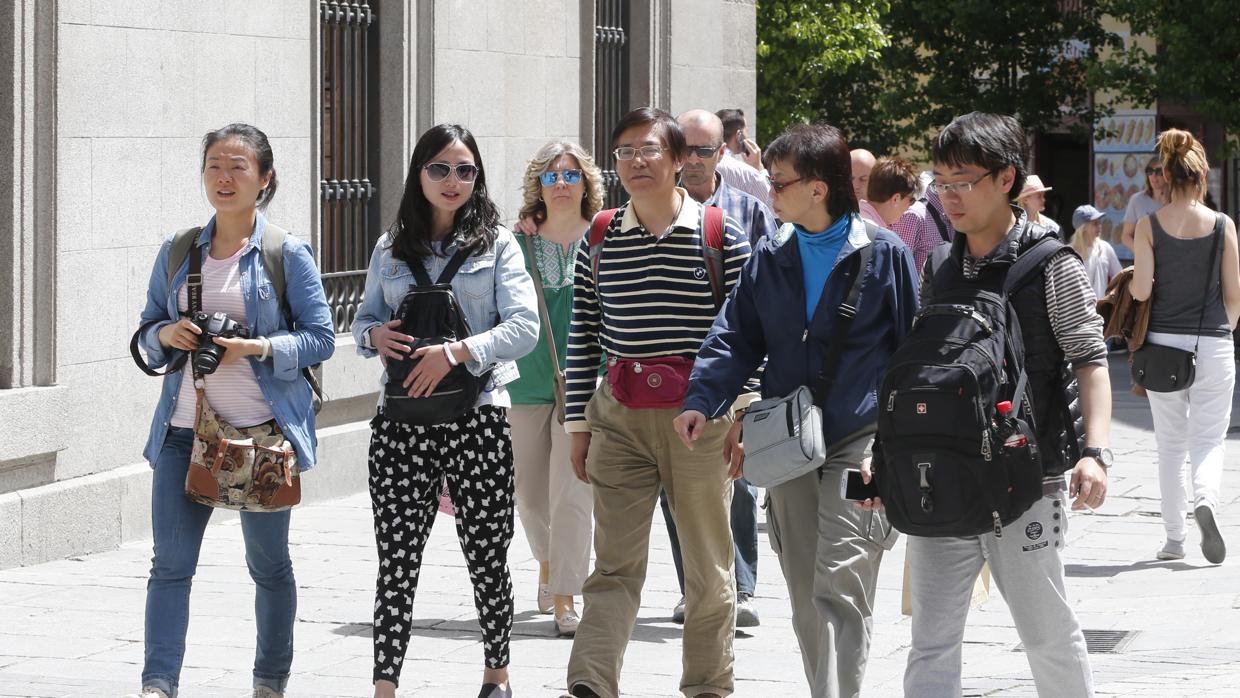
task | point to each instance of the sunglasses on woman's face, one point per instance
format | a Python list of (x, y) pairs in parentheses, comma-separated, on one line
[(1153, 171), (439, 171), (550, 177)]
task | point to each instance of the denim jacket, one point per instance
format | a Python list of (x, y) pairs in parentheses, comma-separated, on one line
[(496, 294), (279, 378)]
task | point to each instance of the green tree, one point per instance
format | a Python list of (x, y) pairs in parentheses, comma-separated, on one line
[(1197, 61), (935, 60), (802, 45)]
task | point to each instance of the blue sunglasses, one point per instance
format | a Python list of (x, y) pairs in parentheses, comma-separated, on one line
[(550, 177)]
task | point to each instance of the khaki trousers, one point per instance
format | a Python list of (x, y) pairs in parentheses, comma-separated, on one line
[(829, 550), (633, 454), (553, 504)]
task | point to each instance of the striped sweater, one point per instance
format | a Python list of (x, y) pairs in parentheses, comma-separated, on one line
[(653, 297)]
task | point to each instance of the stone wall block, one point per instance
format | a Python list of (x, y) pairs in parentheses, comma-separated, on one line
[(110, 405), (70, 518), (526, 108), (562, 90), (10, 530), (124, 191), (290, 208), (135, 501), (182, 201), (283, 99), (91, 322), (87, 104), (73, 195)]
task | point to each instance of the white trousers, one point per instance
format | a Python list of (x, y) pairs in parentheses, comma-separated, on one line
[(1192, 424), (555, 507)]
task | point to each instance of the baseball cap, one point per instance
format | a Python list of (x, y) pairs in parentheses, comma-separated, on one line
[(1085, 214)]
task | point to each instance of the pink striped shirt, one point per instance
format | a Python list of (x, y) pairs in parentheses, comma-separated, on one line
[(232, 390)]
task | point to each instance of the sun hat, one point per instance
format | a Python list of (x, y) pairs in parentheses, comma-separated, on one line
[(1033, 185)]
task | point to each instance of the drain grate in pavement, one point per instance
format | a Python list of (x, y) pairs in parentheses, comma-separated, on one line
[(1102, 641)]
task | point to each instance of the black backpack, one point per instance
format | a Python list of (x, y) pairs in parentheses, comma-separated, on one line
[(431, 314), (956, 452)]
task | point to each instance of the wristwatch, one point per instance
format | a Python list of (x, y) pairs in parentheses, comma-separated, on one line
[(1102, 455)]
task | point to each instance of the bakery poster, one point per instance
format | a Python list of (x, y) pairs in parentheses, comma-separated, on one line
[(1119, 167)]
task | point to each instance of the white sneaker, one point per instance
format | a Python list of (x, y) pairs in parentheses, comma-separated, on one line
[(148, 692), (678, 613), (267, 692), (1171, 550)]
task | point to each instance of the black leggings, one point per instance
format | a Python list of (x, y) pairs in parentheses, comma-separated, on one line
[(474, 454)]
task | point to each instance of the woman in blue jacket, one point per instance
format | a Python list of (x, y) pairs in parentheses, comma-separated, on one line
[(784, 309), (258, 381)]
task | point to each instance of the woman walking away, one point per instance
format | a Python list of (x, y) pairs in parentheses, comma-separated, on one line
[(1173, 248), (562, 191), (442, 411), (257, 385)]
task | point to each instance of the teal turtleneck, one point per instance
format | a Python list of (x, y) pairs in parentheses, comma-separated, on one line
[(819, 252)]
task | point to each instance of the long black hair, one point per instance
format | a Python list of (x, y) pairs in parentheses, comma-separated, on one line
[(256, 141), (474, 224)]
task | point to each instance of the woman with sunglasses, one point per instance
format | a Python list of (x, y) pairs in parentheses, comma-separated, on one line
[(562, 190), (445, 208), (1146, 202)]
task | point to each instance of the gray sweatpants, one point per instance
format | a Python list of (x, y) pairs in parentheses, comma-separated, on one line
[(1028, 571), (831, 569)]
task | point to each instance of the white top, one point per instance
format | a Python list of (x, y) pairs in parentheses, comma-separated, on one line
[(232, 391), (1140, 206), (1101, 266)]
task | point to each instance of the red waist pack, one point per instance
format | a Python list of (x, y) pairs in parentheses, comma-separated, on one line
[(658, 383)]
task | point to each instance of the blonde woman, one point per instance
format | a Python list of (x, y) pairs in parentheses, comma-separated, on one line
[(1101, 262), (1173, 248), (562, 191)]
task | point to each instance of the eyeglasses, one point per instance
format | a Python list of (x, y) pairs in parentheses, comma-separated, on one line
[(550, 177), (648, 152), (1154, 171), (439, 171), (704, 151), (958, 187), (778, 187)]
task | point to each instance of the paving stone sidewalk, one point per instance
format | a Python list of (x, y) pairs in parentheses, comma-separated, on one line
[(74, 627)]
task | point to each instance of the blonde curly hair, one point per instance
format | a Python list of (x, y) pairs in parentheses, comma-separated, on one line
[(532, 206)]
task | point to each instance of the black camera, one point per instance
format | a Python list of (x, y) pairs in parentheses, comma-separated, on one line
[(207, 357)]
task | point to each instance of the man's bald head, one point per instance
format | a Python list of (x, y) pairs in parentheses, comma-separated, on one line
[(702, 120), (862, 163)]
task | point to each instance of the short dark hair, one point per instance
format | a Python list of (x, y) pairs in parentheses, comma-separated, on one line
[(255, 140), (992, 141), (733, 121), (819, 151), (669, 131), (474, 224), (889, 177)]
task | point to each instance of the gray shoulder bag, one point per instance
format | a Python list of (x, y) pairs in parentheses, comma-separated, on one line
[(783, 436), (558, 376)]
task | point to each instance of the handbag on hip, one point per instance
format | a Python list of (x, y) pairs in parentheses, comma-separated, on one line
[(248, 469), (783, 436), (656, 384), (1162, 369)]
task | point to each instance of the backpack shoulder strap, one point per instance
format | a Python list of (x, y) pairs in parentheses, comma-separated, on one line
[(938, 219), (940, 257), (845, 312), (1030, 262), (712, 250), (181, 242), (598, 231), (273, 256), (454, 265)]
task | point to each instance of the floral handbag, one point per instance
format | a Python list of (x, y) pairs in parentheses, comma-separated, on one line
[(250, 469)]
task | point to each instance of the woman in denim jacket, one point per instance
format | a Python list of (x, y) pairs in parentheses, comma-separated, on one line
[(258, 380), (445, 207)]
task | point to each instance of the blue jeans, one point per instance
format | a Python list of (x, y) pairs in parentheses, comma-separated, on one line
[(178, 526), (744, 534)]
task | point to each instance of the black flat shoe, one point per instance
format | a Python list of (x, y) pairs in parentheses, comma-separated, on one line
[(494, 690)]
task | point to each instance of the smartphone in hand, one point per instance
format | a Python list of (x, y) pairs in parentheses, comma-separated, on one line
[(853, 488)]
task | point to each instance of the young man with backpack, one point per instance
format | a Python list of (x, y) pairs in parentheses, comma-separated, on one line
[(647, 284), (971, 462)]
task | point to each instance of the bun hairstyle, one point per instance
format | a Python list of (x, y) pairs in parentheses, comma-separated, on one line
[(1184, 162)]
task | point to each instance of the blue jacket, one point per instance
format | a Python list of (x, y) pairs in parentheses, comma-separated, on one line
[(280, 378), (764, 317), (496, 294)]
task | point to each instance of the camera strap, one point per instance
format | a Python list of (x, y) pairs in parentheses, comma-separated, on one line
[(193, 291)]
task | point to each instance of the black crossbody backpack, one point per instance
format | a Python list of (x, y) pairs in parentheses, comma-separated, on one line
[(431, 314), (956, 452)]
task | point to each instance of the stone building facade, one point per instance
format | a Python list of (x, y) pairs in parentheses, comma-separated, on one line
[(100, 151)]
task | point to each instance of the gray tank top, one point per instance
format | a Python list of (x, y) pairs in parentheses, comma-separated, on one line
[(1178, 263)]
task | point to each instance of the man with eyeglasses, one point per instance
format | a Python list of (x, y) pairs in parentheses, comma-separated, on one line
[(644, 299), (704, 135), (979, 161)]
